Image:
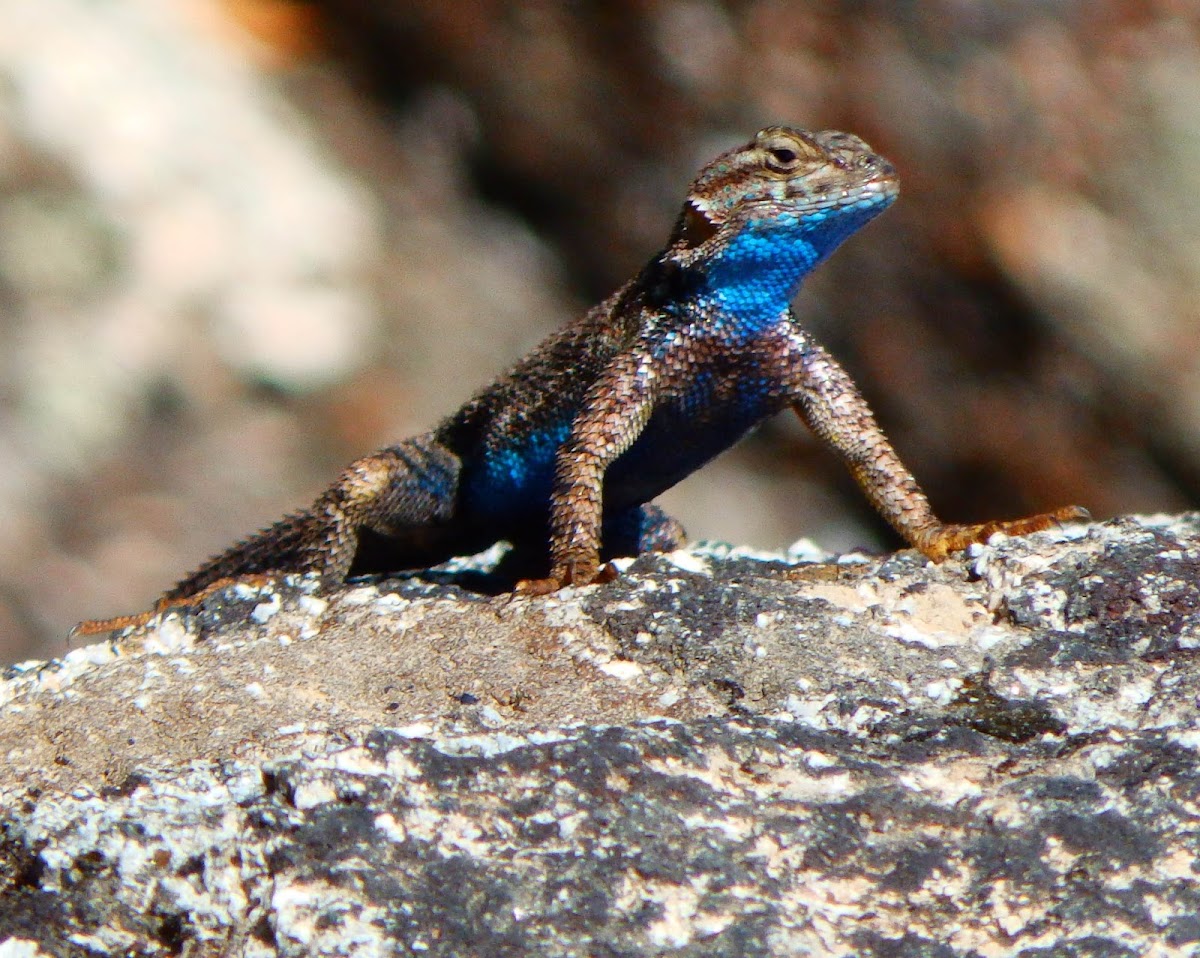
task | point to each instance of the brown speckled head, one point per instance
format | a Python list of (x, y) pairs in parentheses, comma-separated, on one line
[(786, 172)]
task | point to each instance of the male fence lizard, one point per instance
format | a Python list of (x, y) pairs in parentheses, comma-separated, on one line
[(567, 448)]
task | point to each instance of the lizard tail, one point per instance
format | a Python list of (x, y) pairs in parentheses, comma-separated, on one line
[(285, 546)]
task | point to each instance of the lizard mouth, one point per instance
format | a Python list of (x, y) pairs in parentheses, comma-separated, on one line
[(697, 227), (880, 189)]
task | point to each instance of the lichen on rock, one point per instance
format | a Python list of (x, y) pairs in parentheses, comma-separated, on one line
[(716, 754)]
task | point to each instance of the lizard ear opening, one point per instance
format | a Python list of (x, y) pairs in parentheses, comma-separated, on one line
[(695, 227)]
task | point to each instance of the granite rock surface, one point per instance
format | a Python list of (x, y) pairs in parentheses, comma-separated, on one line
[(718, 754)]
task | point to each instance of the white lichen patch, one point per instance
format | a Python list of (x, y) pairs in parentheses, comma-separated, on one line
[(1138, 692), (391, 828), (22, 948), (495, 744), (791, 784), (808, 709), (312, 605), (805, 550), (455, 833), (169, 635), (622, 669), (687, 560), (944, 691), (422, 729), (361, 595), (911, 633), (318, 918), (255, 690), (987, 637), (564, 616), (1091, 712), (388, 602), (622, 563), (312, 793), (265, 611), (948, 784), (675, 927)]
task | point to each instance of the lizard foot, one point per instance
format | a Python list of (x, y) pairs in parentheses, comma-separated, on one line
[(938, 543), (569, 575)]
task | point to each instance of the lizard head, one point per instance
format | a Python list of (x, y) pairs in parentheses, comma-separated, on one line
[(758, 218)]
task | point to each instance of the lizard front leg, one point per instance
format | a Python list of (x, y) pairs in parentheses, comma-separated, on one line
[(614, 414), (404, 488), (827, 400)]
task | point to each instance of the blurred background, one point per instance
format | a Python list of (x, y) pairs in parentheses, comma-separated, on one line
[(243, 241)]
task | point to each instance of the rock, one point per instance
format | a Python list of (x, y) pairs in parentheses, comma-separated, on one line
[(718, 754)]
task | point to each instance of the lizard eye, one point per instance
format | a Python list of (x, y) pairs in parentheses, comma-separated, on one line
[(782, 157)]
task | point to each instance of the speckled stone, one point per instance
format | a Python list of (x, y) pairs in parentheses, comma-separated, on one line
[(718, 754)]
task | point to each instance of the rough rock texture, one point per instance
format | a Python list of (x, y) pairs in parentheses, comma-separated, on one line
[(716, 755)]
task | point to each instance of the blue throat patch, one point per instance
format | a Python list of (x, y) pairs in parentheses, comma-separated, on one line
[(758, 274)]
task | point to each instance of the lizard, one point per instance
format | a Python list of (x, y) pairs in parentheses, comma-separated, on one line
[(562, 455)]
